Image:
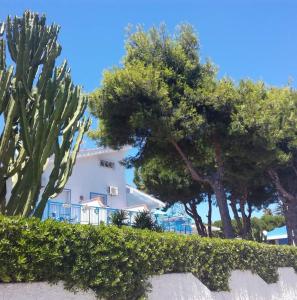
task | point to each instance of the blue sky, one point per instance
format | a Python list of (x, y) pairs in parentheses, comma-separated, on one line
[(245, 39)]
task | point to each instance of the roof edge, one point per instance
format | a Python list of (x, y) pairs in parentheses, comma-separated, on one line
[(153, 199), (96, 151)]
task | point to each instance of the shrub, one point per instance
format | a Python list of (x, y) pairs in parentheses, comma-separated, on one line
[(119, 218), (116, 262), (143, 220)]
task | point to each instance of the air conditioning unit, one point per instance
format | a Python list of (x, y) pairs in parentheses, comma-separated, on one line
[(113, 190)]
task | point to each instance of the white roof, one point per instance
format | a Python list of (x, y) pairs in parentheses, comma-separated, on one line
[(136, 197), (96, 151)]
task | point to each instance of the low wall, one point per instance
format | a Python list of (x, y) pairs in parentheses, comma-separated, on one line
[(243, 286)]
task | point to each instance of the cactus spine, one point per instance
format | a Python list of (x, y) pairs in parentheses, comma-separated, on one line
[(43, 114)]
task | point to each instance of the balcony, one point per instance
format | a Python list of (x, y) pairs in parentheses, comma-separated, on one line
[(84, 214), (81, 214)]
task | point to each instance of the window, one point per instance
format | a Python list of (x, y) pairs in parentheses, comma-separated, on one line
[(107, 164), (101, 197)]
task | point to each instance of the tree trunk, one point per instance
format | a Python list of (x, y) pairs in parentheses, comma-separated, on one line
[(200, 226), (218, 187), (216, 184), (209, 214), (289, 201), (290, 212), (223, 208), (248, 221), (245, 221), (198, 220), (192, 212), (236, 216)]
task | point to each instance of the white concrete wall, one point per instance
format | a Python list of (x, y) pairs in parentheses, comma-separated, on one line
[(243, 286), (88, 176), (40, 291)]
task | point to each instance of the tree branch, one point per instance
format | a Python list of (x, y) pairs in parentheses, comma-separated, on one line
[(195, 175), (188, 211), (281, 190)]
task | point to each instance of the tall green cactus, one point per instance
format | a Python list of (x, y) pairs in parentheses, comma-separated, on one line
[(43, 114), (9, 139)]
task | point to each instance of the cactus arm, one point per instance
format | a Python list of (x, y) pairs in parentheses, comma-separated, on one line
[(17, 165), (2, 48), (61, 72), (78, 114), (5, 82), (12, 107), (59, 166), (24, 123), (11, 46), (83, 127), (18, 190), (63, 166), (61, 99)]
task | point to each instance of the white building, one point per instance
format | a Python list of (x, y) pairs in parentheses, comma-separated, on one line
[(97, 184), (96, 188)]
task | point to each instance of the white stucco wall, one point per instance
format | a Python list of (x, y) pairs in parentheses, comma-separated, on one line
[(88, 176), (243, 286), (40, 291)]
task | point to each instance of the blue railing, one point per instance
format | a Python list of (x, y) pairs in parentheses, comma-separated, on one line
[(83, 214), (181, 226)]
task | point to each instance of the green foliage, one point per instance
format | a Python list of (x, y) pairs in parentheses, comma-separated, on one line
[(167, 179), (163, 97), (268, 116), (119, 217), (144, 220), (266, 222), (116, 262), (149, 96), (42, 111)]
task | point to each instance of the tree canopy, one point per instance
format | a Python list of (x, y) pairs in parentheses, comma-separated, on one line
[(164, 97), (167, 179), (270, 121), (237, 138)]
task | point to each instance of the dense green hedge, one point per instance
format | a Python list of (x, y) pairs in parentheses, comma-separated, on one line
[(115, 262)]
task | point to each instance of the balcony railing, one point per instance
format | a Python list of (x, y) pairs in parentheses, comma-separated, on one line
[(81, 214), (84, 214)]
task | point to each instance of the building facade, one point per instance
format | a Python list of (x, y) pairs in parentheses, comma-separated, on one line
[(95, 189), (97, 173), (98, 179)]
